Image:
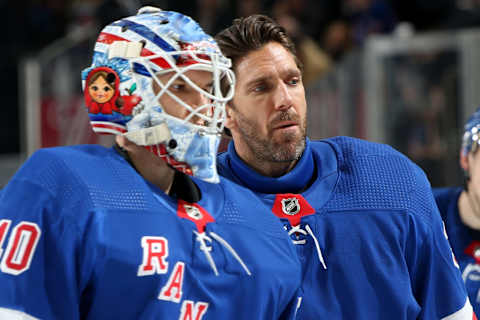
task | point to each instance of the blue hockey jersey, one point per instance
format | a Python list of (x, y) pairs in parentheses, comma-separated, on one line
[(84, 236), (465, 241), (367, 231)]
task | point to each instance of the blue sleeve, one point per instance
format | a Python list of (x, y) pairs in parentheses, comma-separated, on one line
[(40, 271), (444, 198), (436, 278)]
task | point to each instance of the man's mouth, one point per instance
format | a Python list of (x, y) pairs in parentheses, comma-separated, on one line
[(285, 125)]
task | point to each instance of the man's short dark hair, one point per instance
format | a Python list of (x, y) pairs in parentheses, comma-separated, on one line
[(252, 33)]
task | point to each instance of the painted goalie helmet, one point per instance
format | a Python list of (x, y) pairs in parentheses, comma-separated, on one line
[(139, 64)]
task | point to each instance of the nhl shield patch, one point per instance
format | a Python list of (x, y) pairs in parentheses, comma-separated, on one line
[(195, 213), (292, 207)]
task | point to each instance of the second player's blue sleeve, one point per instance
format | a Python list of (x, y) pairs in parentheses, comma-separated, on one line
[(436, 278)]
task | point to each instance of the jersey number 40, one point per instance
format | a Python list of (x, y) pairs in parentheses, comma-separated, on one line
[(16, 258)]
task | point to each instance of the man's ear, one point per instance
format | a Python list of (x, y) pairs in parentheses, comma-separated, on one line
[(464, 161), (230, 119)]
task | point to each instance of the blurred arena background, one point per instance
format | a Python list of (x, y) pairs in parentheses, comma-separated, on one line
[(393, 71)]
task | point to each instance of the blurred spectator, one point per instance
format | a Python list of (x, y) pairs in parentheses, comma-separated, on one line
[(207, 14), (31, 25), (337, 39), (108, 11), (315, 61), (465, 15), (424, 14), (420, 128), (368, 17), (313, 15), (215, 15)]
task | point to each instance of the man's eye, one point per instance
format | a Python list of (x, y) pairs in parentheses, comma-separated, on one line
[(177, 87), (209, 89), (259, 88), (293, 81)]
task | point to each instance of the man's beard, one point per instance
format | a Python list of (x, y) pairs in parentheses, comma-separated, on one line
[(289, 147)]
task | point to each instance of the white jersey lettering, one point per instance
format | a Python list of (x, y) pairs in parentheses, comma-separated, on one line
[(172, 291), (20, 249), (191, 311), (155, 251)]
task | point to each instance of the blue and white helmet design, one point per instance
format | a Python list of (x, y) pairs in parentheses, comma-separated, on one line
[(471, 133), (123, 91)]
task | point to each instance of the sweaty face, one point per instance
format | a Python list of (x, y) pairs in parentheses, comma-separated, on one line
[(100, 90), (268, 111), (188, 94)]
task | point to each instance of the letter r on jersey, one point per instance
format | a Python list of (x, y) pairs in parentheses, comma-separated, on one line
[(155, 252)]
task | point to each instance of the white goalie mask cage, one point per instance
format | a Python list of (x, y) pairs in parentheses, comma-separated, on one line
[(138, 50)]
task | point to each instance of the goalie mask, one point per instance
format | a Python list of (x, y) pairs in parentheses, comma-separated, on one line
[(156, 78)]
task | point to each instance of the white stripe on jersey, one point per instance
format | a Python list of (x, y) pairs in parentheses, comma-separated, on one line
[(466, 313), (10, 314)]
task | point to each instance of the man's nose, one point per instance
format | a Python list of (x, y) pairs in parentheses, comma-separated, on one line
[(200, 104), (282, 97)]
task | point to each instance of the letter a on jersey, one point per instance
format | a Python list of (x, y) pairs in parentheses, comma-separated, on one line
[(172, 291)]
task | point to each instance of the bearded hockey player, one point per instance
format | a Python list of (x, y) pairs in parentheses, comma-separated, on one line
[(362, 216)]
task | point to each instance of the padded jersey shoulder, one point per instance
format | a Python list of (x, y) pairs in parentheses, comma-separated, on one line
[(94, 175), (376, 176)]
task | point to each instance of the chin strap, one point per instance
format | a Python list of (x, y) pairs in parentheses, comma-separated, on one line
[(149, 136)]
